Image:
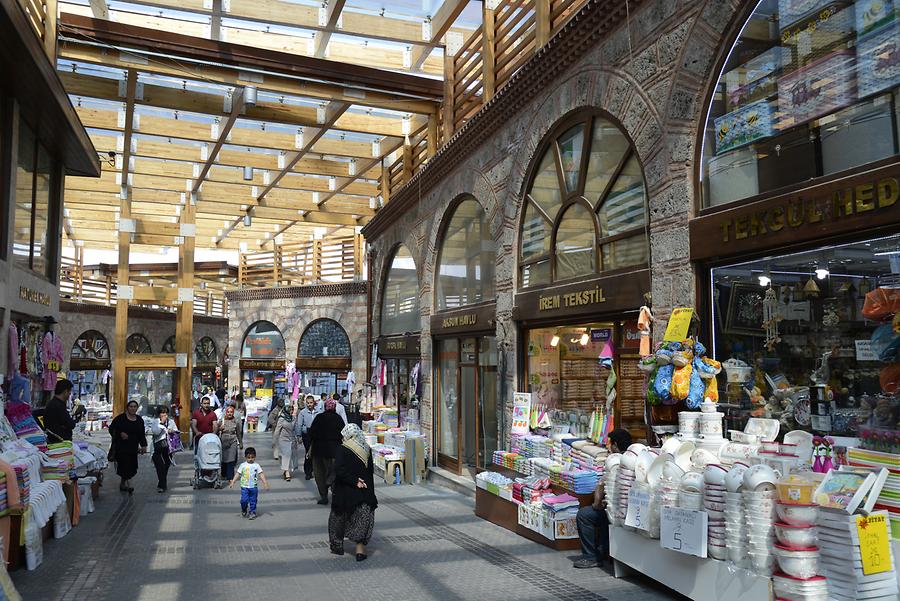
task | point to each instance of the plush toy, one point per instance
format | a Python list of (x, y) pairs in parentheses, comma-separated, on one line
[(662, 384), (707, 369), (757, 402), (653, 398)]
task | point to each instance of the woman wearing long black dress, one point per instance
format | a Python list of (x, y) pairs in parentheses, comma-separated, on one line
[(353, 499), (127, 431)]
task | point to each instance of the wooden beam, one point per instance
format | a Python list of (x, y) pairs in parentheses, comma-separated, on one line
[(441, 22), (120, 374), (51, 18), (488, 55), (184, 324), (237, 106), (100, 9), (149, 361), (333, 10), (542, 22)]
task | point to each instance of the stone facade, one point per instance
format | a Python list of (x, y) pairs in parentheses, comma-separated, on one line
[(156, 326), (652, 75), (292, 310)]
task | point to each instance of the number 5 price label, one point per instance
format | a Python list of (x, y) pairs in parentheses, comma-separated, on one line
[(874, 543), (683, 530), (638, 510)]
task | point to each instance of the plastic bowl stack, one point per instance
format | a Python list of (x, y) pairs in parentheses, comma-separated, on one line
[(759, 498), (714, 505), (610, 476), (796, 589), (735, 522), (797, 553), (624, 481)]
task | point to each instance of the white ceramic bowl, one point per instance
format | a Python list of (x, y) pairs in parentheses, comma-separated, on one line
[(642, 465), (759, 475), (692, 482), (655, 472), (683, 455), (673, 471), (629, 459), (719, 552), (718, 507), (671, 445), (715, 473), (797, 515), (798, 563), (700, 458), (613, 460), (734, 479), (796, 537), (636, 448)]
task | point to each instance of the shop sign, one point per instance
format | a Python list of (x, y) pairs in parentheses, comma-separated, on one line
[(864, 351), (457, 321), (601, 335), (679, 324), (258, 381), (683, 530), (580, 298), (395, 345), (264, 345), (478, 317), (399, 345), (34, 296), (631, 335), (864, 201), (260, 364)]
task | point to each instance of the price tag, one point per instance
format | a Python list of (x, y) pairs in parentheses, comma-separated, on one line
[(683, 530), (679, 324), (53, 365), (874, 543), (638, 510), (864, 351)]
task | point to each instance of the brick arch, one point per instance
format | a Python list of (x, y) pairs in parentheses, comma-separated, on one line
[(241, 330), (386, 248)]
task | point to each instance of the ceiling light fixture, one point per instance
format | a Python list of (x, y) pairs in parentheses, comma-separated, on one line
[(765, 279), (248, 220), (249, 96), (585, 339), (822, 272), (248, 173), (554, 342)]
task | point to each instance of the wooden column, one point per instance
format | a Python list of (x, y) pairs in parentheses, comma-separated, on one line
[(359, 244), (317, 260), (449, 92), (488, 58), (385, 182), (407, 162), (542, 23), (184, 325), (50, 26), (432, 135), (120, 371)]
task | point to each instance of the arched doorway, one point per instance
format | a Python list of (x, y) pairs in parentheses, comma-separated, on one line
[(89, 369), (324, 358), (262, 366)]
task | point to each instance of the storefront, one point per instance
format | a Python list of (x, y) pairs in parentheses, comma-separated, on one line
[(89, 368), (324, 359), (262, 366), (583, 274), (206, 371), (467, 416), (399, 350), (796, 235)]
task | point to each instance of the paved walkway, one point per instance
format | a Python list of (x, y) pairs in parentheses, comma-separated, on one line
[(194, 545)]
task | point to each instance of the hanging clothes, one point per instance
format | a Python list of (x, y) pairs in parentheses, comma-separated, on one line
[(350, 382), (645, 322), (414, 379), (12, 351), (52, 360)]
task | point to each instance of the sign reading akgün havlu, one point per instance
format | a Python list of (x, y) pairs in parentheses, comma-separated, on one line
[(806, 210)]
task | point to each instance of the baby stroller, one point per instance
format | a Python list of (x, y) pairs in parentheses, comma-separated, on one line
[(207, 462)]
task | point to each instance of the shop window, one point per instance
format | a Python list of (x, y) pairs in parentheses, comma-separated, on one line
[(34, 187), (263, 341), (168, 346), (809, 90), (324, 338), (137, 344), (90, 346), (586, 207), (205, 352), (400, 299), (467, 258), (809, 326), (151, 389)]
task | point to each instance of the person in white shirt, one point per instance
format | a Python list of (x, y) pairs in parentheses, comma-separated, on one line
[(162, 457)]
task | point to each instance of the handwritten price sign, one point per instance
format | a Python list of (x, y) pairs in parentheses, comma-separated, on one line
[(683, 530), (638, 510), (874, 543)]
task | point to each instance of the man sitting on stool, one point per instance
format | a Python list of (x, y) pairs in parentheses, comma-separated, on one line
[(593, 517)]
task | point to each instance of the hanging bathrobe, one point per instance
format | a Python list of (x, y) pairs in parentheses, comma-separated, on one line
[(52, 357)]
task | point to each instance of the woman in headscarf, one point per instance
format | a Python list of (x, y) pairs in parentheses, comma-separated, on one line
[(325, 438), (275, 411), (232, 440), (127, 430), (353, 499), (285, 439)]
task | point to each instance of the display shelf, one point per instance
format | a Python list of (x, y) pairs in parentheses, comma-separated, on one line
[(695, 578), (505, 514), (583, 499)]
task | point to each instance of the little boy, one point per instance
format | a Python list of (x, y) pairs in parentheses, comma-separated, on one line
[(250, 474)]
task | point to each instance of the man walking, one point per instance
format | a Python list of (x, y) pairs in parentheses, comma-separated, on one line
[(203, 421), (301, 428)]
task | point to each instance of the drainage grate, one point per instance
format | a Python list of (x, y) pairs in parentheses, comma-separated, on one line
[(553, 585), (221, 501), (182, 549)]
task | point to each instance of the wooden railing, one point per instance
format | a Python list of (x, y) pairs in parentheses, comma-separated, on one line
[(312, 262), (511, 32), (43, 18), (79, 287)]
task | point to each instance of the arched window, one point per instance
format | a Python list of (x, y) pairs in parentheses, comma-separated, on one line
[(168, 346), (137, 344), (324, 338), (91, 345), (809, 89), (466, 261), (263, 341), (205, 352), (400, 299), (586, 205)]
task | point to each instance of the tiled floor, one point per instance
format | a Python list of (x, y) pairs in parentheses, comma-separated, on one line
[(194, 545)]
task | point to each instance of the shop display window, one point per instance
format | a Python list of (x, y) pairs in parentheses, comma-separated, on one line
[(467, 258), (400, 299), (152, 389), (34, 187), (564, 371), (801, 342), (586, 206), (137, 343), (324, 338), (808, 90)]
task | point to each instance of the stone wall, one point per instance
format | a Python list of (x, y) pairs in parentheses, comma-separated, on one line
[(651, 75), (292, 313), (157, 326)]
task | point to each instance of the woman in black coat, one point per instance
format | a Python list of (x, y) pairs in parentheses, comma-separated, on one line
[(128, 439), (325, 438), (353, 499)]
